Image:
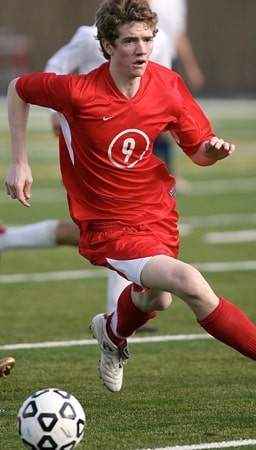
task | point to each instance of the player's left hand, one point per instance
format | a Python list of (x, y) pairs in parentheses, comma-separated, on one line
[(217, 148)]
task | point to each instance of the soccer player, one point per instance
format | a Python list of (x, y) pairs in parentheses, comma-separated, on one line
[(121, 196), (6, 365)]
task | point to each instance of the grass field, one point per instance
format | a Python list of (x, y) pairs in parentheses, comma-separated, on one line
[(183, 392)]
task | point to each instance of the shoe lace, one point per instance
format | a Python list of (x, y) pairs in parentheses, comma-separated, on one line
[(121, 354)]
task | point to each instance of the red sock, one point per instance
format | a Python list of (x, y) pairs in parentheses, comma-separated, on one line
[(229, 324), (129, 317)]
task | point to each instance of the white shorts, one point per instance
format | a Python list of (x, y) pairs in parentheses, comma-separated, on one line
[(130, 268)]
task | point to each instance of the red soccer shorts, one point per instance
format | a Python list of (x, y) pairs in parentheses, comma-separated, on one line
[(128, 242)]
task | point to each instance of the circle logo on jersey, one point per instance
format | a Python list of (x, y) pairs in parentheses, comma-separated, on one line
[(128, 148)]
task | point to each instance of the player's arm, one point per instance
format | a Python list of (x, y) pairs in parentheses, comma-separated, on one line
[(19, 178), (69, 57), (211, 151), (193, 131), (188, 59)]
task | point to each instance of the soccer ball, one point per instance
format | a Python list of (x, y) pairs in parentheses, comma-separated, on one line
[(51, 419)]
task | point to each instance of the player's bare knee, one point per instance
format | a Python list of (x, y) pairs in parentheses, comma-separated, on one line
[(152, 300), (160, 301), (163, 301)]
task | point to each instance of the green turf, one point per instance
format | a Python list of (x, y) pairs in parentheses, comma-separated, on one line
[(174, 393)]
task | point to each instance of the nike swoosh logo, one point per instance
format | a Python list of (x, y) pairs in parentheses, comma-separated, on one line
[(107, 118)]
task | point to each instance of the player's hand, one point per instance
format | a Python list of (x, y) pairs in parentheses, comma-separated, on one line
[(211, 151), (217, 148), (18, 183)]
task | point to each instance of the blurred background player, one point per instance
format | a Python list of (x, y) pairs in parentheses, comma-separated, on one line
[(82, 54), (172, 20)]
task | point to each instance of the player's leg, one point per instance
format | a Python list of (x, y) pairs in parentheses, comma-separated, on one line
[(216, 315), (48, 233), (112, 329), (6, 365), (220, 318), (67, 233), (115, 286)]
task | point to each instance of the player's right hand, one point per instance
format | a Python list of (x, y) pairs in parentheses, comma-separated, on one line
[(18, 183)]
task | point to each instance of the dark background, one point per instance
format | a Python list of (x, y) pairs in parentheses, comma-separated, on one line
[(223, 34)]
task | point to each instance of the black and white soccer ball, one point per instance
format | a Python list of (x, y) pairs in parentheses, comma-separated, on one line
[(51, 419)]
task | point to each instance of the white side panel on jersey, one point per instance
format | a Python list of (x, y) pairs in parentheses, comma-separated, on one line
[(67, 135)]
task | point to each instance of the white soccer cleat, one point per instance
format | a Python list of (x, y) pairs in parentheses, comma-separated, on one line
[(112, 357)]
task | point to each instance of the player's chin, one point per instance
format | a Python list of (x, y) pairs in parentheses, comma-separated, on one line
[(138, 70)]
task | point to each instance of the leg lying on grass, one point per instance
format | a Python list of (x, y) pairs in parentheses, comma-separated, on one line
[(48, 233)]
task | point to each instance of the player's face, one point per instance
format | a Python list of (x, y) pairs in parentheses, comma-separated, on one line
[(132, 50)]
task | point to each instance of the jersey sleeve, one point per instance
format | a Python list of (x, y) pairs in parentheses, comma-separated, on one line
[(191, 126), (48, 90)]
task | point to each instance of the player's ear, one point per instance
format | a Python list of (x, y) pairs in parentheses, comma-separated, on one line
[(107, 47)]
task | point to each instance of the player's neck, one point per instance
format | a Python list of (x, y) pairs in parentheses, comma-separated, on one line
[(127, 86)]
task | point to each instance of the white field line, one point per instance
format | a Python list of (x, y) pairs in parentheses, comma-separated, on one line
[(211, 445), (214, 187), (231, 266), (84, 342), (230, 236), (219, 220), (52, 276), (219, 109)]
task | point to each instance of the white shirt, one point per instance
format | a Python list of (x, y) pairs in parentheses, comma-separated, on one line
[(172, 19)]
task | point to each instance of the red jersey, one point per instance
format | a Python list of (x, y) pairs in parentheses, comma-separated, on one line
[(106, 158)]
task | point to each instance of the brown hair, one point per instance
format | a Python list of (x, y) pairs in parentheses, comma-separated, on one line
[(114, 13)]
